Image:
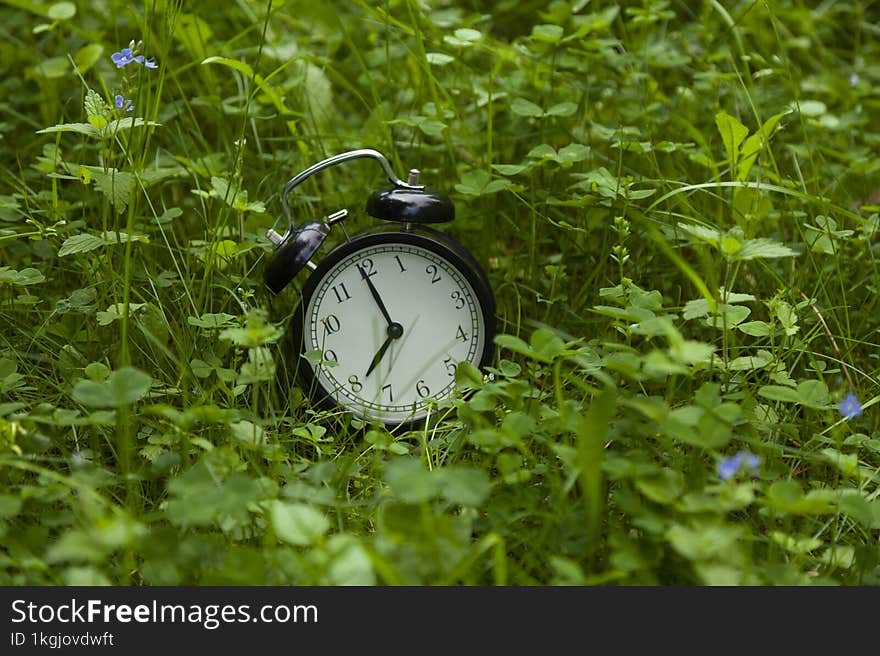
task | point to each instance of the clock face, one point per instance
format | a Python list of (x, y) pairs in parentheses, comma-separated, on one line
[(392, 318)]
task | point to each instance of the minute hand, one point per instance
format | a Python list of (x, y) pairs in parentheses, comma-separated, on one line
[(375, 294)]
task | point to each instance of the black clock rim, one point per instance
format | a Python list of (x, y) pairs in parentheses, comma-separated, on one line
[(439, 243)]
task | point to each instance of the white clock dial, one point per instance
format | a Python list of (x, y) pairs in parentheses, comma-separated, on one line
[(388, 365)]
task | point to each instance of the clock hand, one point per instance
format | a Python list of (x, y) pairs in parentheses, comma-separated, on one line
[(376, 297), (395, 331)]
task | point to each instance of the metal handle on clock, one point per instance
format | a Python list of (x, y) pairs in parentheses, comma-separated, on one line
[(339, 159)]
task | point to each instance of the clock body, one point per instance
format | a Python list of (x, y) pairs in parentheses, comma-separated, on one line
[(384, 320)]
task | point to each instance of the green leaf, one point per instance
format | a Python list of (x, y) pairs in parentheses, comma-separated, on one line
[(97, 371), (255, 332), (351, 563), (95, 105), (703, 541), (511, 169), (796, 544), (734, 297), (576, 152), (690, 351), (211, 320), (779, 393), (751, 362), (468, 376), (860, 509), (695, 309), (259, 367), (467, 34), (732, 134), (523, 107), (82, 243), (547, 33), (787, 497), (519, 424), (62, 11), (480, 182), (122, 387), (200, 497), (811, 108), (410, 481), (702, 232), (438, 58), (563, 109), (785, 314), (763, 247), (730, 245), (663, 488), (846, 463), (88, 56), (81, 128), (546, 343), (728, 316), (115, 185), (754, 144), (676, 427), (29, 276), (466, 486), (52, 68), (754, 328), (517, 345), (86, 576), (116, 311), (9, 506), (813, 394), (544, 151), (571, 153)]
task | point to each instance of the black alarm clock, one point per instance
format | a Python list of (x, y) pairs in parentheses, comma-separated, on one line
[(385, 318)]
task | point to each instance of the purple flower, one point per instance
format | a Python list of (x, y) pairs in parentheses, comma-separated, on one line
[(124, 103), (729, 467), (123, 57), (850, 406), (126, 56)]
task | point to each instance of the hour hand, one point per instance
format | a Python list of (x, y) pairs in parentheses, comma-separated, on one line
[(375, 295), (378, 357), (395, 331)]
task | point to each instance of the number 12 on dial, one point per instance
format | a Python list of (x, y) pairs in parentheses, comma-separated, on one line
[(393, 314)]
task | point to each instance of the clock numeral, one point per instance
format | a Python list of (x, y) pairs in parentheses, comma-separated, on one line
[(450, 365), (390, 395), (331, 323), (461, 334), (458, 298), (422, 390), (367, 268), (399, 263), (431, 270), (341, 292), (330, 356), (356, 385)]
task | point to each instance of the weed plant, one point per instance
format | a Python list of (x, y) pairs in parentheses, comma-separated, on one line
[(677, 206)]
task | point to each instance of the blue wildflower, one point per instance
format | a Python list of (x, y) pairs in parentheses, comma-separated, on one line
[(126, 56), (729, 467), (123, 57), (850, 406), (124, 103)]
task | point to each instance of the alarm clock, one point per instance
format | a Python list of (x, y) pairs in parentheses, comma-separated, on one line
[(384, 318)]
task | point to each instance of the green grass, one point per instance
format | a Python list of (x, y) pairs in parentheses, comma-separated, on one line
[(677, 206)]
